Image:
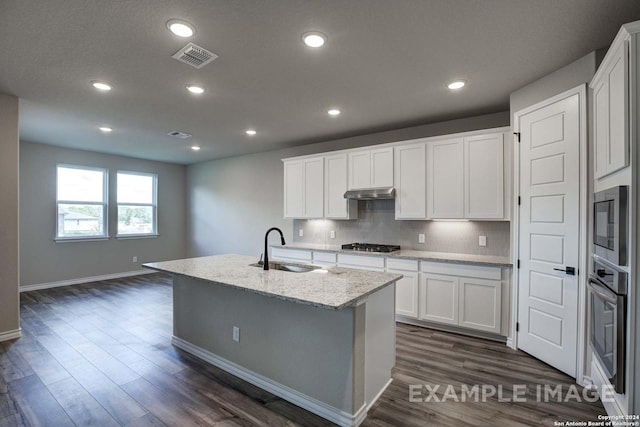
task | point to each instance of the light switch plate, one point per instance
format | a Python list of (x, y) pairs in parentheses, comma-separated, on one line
[(300, 232), (421, 238), (482, 240)]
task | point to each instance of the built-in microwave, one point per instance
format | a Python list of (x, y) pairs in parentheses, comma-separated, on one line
[(610, 219)]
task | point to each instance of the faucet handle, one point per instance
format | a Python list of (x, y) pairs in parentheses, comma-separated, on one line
[(261, 262)]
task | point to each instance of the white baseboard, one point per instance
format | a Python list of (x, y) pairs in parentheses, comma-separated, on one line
[(39, 286), (311, 404), (377, 396), (11, 335)]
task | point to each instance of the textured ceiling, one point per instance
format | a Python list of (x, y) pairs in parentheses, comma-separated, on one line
[(386, 65)]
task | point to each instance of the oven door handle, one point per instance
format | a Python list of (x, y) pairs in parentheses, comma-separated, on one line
[(602, 291)]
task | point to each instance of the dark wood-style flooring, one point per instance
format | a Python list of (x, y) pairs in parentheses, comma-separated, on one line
[(99, 354)]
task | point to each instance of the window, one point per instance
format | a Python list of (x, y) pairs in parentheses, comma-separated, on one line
[(137, 204), (81, 203)]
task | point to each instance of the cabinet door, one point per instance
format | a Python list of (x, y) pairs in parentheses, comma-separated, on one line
[(410, 181), (484, 176), (382, 167), (445, 179), (439, 298), (480, 304), (293, 189), (407, 293), (335, 185), (611, 112), (359, 169), (313, 194)]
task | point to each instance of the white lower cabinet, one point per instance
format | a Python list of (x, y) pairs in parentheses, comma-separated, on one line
[(287, 254), (373, 263), (325, 259), (469, 296), (407, 287)]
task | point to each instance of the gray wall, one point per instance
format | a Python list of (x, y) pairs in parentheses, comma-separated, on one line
[(233, 201), (376, 224), (576, 73), (9, 271), (44, 261)]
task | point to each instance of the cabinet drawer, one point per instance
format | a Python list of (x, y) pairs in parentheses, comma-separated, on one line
[(357, 261), (291, 254), (402, 264), (461, 270), (324, 257)]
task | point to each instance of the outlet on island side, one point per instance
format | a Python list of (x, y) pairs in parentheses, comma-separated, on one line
[(134, 259), (236, 334)]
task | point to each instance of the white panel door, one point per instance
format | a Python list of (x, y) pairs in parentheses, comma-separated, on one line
[(484, 176), (382, 167), (335, 185), (410, 182), (359, 169), (445, 185), (313, 198), (549, 231), (293, 189), (439, 298), (406, 293), (480, 304)]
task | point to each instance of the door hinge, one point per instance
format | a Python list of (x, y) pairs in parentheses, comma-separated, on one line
[(519, 201), (518, 264), (517, 326), (518, 135)]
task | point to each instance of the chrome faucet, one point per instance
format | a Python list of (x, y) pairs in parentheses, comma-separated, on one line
[(266, 249)]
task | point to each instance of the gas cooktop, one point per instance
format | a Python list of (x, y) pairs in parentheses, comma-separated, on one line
[(370, 247)]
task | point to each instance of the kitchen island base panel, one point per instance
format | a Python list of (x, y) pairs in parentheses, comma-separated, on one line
[(316, 358)]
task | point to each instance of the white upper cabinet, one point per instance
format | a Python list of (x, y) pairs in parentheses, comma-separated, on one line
[(335, 185), (371, 168), (445, 183), (466, 178), (611, 109), (410, 181), (484, 177), (304, 188)]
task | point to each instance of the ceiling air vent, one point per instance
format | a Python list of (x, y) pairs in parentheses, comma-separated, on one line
[(181, 135), (195, 55)]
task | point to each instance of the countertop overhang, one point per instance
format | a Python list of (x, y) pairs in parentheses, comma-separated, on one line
[(331, 288)]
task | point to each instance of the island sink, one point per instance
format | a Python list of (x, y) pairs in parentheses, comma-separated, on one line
[(293, 268)]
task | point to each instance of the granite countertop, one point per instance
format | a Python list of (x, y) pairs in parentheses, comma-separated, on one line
[(331, 288), (491, 260)]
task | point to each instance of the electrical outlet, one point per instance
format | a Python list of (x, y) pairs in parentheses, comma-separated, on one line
[(300, 232), (482, 240), (236, 334), (332, 234), (134, 259), (421, 238)]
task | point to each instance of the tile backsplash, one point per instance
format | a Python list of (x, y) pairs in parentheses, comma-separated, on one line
[(376, 224)]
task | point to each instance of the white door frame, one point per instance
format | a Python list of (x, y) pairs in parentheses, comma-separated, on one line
[(583, 198)]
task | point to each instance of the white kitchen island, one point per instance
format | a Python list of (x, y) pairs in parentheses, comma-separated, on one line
[(323, 340)]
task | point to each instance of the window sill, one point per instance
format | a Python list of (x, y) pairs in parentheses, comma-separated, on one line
[(80, 239), (136, 236)]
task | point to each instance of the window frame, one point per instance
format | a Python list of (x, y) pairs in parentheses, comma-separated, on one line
[(104, 204), (153, 205)]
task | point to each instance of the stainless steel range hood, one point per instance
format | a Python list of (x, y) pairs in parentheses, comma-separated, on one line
[(371, 194)]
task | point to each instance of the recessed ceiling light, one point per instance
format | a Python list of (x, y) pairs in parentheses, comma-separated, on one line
[(103, 86), (334, 112), (458, 84), (314, 39), (105, 129), (195, 89), (181, 28), (195, 147), (250, 132)]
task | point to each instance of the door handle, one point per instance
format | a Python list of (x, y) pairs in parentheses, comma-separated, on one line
[(570, 271)]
